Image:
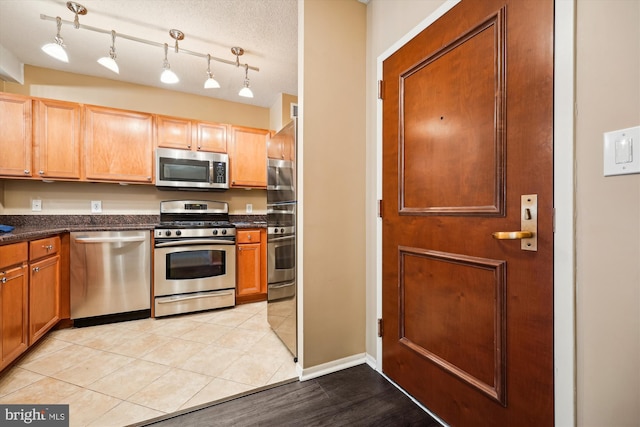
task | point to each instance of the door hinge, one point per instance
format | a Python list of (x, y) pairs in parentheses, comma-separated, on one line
[(380, 328), (380, 89), (380, 208)]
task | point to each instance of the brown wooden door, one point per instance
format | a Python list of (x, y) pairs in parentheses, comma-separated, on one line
[(467, 130)]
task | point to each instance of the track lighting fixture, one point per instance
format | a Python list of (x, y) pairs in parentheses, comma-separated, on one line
[(57, 50), (110, 61), (167, 75), (210, 83)]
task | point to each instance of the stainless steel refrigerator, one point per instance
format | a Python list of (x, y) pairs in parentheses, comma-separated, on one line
[(281, 236)]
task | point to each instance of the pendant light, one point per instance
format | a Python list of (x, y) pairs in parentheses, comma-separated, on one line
[(109, 62), (56, 49), (210, 83), (167, 75), (246, 90)]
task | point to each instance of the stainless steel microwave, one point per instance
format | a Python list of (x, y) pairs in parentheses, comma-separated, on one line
[(191, 170)]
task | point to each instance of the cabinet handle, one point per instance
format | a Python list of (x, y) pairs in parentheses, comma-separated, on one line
[(36, 269), (4, 280), (48, 247), (148, 178), (41, 172), (249, 237), (27, 171), (188, 145)]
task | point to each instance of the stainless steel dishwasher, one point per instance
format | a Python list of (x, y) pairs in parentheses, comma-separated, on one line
[(110, 276)]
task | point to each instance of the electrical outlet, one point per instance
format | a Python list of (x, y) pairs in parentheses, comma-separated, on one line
[(36, 205), (96, 206), (249, 208)]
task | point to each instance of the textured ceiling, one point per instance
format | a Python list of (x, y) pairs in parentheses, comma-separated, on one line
[(265, 29)]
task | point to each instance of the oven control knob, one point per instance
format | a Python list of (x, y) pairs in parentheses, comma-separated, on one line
[(275, 231), (167, 233), (282, 230), (178, 232), (215, 232), (224, 231)]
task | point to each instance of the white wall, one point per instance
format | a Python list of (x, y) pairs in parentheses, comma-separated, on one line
[(608, 216)]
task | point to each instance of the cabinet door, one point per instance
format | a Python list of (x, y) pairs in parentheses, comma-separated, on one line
[(118, 145), (44, 296), (15, 135), (57, 139), (173, 132), (248, 157), (248, 270), (212, 137), (13, 317)]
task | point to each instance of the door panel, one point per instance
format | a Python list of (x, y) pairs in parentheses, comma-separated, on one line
[(467, 130), (464, 111)]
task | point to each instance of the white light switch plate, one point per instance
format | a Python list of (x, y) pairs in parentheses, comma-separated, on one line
[(622, 151), (36, 205)]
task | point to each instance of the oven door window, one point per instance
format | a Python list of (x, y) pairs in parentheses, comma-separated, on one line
[(196, 264), (285, 258), (184, 170)]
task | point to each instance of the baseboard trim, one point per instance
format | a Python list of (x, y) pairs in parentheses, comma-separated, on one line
[(372, 362), (333, 366)]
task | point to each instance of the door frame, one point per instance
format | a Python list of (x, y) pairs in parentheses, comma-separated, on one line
[(564, 195)]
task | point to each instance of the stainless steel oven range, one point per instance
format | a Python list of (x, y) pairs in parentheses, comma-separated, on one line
[(194, 257)]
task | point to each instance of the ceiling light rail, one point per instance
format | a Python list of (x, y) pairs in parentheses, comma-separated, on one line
[(58, 45)]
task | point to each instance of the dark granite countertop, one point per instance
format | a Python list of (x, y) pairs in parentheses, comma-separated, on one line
[(29, 227)]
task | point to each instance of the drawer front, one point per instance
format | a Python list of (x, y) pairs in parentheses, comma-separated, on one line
[(248, 236), (44, 247), (13, 254)]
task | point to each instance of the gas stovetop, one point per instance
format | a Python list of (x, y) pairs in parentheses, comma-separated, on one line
[(194, 218)]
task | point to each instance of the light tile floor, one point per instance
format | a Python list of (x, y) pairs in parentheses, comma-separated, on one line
[(122, 373)]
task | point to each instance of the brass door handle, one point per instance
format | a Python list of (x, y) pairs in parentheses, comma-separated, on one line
[(512, 235)]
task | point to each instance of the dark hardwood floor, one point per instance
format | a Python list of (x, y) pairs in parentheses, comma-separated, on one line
[(357, 396)]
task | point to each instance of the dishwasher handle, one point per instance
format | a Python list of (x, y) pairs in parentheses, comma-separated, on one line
[(109, 239)]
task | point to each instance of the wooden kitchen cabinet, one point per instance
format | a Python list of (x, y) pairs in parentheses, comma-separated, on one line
[(251, 270), (248, 157), (57, 139), (184, 134), (44, 286), (15, 135), (13, 302), (118, 145)]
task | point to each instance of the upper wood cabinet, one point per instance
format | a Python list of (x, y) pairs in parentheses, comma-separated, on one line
[(118, 145), (248, 157), (187, 134), (212, 136), (57, 128), (15, 135)]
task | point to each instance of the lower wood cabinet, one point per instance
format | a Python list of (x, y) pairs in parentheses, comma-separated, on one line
[(44, 286), (13, 302), (30, 289), (251, 271)]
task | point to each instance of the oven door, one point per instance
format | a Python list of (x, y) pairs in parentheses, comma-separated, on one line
[(193, 266), (281, 258)]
